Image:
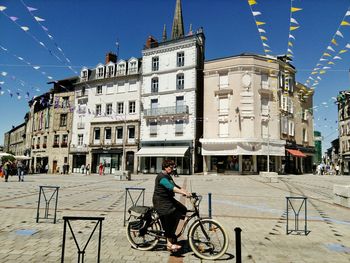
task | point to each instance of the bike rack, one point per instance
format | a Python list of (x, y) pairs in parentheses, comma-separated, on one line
[(296, 215), (81, 253), (127, 193), (47, 202)]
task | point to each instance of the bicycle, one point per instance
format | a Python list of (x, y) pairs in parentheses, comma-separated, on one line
[(206, 237)]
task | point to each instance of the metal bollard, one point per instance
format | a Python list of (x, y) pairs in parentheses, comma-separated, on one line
[(238, 231), (209, 204)]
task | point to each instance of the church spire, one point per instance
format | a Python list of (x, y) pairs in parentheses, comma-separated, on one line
[(178, 25), (164, 38)]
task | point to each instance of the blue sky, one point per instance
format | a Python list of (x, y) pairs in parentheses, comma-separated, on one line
[(86, 30)]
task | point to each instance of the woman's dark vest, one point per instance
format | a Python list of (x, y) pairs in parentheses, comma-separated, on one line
[(163, 199)]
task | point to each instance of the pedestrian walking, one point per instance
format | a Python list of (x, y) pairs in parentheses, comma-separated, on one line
[(82, 169), (337, 169), (175, 171), (87, 169), (47, 168), (6, 169)]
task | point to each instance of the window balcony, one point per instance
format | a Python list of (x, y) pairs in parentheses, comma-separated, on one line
[(165, 111)]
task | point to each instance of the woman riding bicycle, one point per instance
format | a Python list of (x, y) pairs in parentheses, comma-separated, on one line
[(169, 209)]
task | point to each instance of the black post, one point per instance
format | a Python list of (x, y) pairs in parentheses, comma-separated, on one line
[(37, 211), (238, 245), (209, 204)]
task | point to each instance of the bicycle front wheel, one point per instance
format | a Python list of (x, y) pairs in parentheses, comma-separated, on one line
[(144, 241), (208, 239)]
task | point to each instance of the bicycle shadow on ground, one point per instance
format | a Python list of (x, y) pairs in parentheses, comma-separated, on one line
[(186, 249)]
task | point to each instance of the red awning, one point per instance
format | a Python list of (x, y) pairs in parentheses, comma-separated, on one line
[(296, 153)]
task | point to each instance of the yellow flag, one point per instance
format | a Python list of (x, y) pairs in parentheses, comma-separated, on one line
[(251, 2), (267, 50), (260, 23), (263, 38), (344, 23), (343, 51), (293, 28), (322, 71), (290, 44), (331, 63), (326, 54), (313, 72), (334, 42), (295, 9)]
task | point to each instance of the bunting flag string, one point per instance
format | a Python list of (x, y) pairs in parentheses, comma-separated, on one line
[(49, 34), (293, 25), (259, 24), (26, 30), (327, 57)]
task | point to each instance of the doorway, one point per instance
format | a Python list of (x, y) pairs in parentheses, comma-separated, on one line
[(130, 161)]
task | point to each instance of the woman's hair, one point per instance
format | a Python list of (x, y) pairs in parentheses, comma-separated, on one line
[(167, 163)]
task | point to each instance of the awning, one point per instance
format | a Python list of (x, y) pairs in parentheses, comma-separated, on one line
[(178, 151), (296, 153)]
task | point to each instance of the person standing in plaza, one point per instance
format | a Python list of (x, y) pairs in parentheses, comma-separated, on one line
[(169, 209), (20, 171), (100, 169), (87, 169), (6, 169)]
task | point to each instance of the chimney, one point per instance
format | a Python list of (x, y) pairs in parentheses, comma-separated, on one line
[(111, 57), (151, 42)]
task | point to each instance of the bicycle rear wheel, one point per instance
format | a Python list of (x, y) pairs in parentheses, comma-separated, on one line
[(143, 242), (209, 245)]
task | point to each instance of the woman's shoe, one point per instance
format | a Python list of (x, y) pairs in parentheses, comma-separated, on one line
[(173, 247)]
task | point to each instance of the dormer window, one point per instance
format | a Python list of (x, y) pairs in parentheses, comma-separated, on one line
[(121, 69), (132, 67), (84, 75), (110, 71), (100, 72)]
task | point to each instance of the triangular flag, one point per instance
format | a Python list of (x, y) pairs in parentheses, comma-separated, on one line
[(25, 28), (316, 69), (291, 36), (295, 9), (344, 23), (331, 63), (251, 2), (30, 9), (2, 8), (338, 33), (41, 43), (326, 67), (347, 46), (314, 72), (343, 51), (322, 71), (334, 42), (292, 20), (44, 28), (323, 59), (261, 30), (326, 54), (293, 28), (36, 67), (13, 18), (39, 19), (265, 45), (267, 50), (319, 77), (4, 49), (337, 57), (347, 13), (330, 48), (259, 23), (318, 64), (256, 13), (263, 38), (290, 44), (289, 50)]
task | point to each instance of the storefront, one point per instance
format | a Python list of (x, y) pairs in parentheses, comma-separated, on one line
[(111, 160), (151, 158), (293, 161)]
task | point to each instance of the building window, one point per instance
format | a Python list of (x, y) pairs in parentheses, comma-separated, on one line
[(180, 59), (56, 140), (38, 143), (132, 106), (98, 110), (132, 67), (304, 135), (119, 133), (179, 127), (223, 81), (80, 139), (264, 81), (110, 71), (84, 74), (109, 109), (155, 85), (180, 81), (99, 89), (100, 72), (83, 90), (45, 142), (121, 69), (153, 128), (154, 106), (120, 107), (223, 129), (108, 133), (63, 120), (155, 63), (97, 133), (64, 140), (180, 104), (223, 105), (131, 132), (65, 102)]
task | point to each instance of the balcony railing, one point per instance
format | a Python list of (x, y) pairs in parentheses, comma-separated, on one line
[(132, 71), (179, 110)]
